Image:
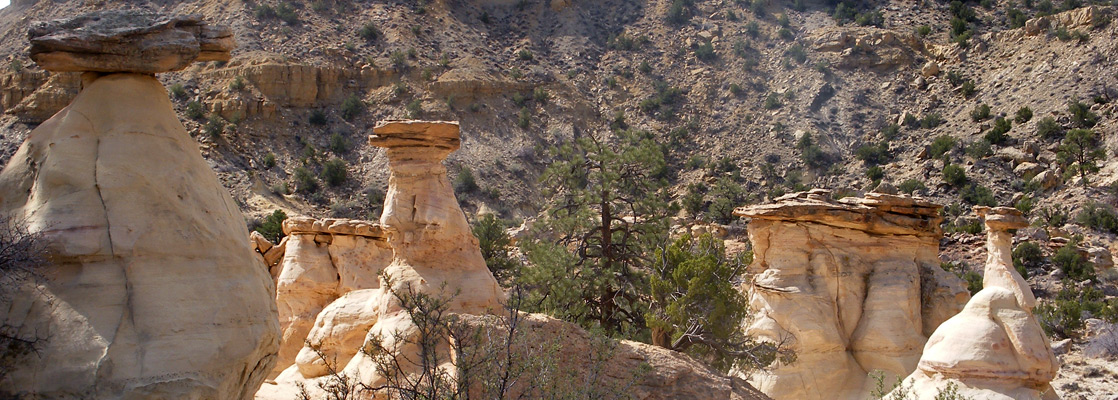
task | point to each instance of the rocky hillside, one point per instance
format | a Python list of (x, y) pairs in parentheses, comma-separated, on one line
[(752, 99), (732, 87)]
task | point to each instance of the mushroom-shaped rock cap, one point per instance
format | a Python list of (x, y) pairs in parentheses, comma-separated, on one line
[(412, 133), (876, 213), (127, 41), (1002, 218)]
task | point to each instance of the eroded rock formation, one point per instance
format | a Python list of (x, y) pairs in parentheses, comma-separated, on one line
[(994, 348), (434, 252), (852, 285), (125, 40), (151, 290), (316, 266)]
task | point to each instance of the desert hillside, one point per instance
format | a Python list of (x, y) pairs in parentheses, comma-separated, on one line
[(963, 103)]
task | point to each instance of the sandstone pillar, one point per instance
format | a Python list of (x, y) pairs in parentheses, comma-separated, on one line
[(994, 348), (152, 290), (852, 286)]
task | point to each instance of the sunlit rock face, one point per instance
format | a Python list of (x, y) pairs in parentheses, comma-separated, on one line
[(852, 286), (994, 348)]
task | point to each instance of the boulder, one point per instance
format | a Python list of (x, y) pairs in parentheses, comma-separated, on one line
[(852, 286), (152, 289), (994, 348), (127, 41)]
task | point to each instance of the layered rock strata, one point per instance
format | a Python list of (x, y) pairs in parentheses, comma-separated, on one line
[(994, 348), (151, 290), (125, 40), (852, 285)]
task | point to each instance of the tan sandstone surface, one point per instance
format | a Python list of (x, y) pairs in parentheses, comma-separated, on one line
[(852, 286), (994, 348), (151, 290)]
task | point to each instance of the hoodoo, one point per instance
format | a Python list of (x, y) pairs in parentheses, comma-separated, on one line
[(994, 348), (852, 285), (151, 289)]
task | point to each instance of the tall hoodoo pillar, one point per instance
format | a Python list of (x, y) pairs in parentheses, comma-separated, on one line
[(994, 348), (151, 289)]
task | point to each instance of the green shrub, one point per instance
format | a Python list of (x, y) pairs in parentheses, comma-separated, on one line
[(317, 117), (495, 244), (753, 29), (194, 110), (269, 160), (1024, 204), (369, 32), (811, 154), (540, 95), (272, 226), (283, 11), (875, 174), (1081, 115), (786, 34), (1049, 129), (678, 13), (1098, 216), (16, 66), (772, 101), (465, 182), (999, 133), (238, 84), (891, 131), (1073, 264), (874, 154), (214, 127), (1062, 315), (931, 120), (979, 149), (976, 194), (1027, 255), (797, 52), (305, 181), (177, 91), (923, 30), (1024, 114), (758, 8), (911, 186), (524, 55), (967, 88), (338, 144), (352, 107), (974, 281), (955, 78), (663, 102), (980, 112), (941, 145), (524, 118), (954, 175), (693, 201), (399, 60), (334, 172), (1081, 153), (705, 51), (1015, 18)]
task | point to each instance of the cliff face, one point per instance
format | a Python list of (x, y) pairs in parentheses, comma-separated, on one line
[(852, 286)]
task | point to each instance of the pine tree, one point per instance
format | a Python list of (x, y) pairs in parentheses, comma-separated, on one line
[(595, 242), (1080, 151), (697, 307)]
